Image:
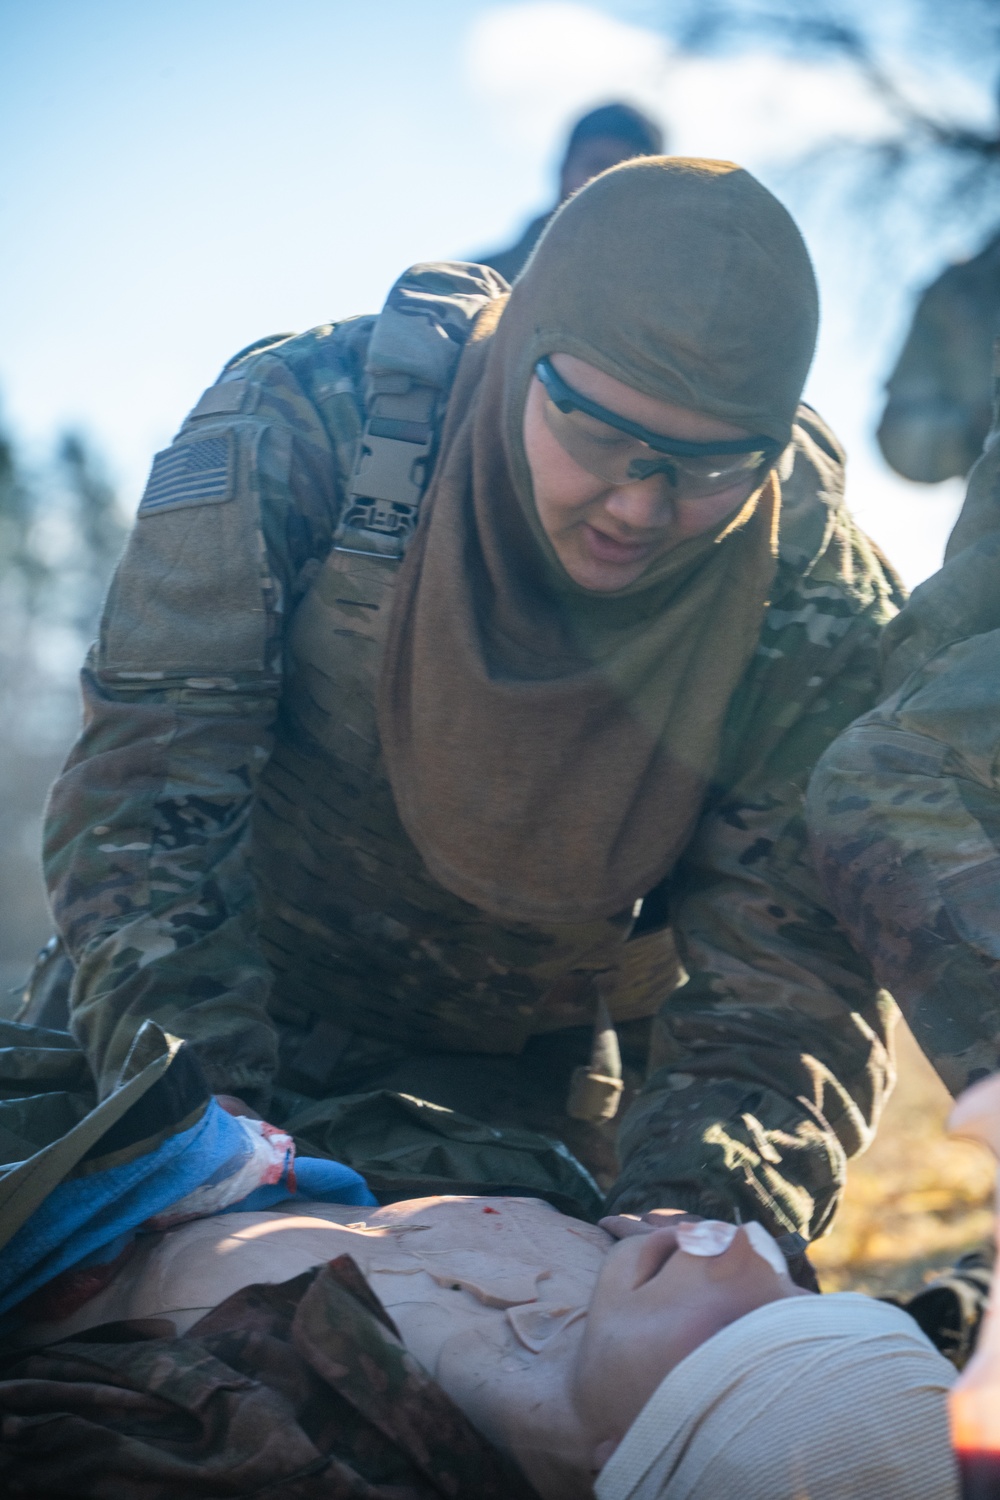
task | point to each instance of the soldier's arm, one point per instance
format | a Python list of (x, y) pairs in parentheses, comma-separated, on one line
[(147, 828), (769, 1065), (904, 811)]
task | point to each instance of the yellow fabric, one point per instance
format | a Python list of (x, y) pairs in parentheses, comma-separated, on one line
[(548, 745), (821, 1398)]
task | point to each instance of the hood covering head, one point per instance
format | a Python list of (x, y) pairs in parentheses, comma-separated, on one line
[(687, 280), (549, 746), (835, 1398)]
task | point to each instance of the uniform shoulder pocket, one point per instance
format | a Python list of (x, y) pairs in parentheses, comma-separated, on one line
[(188, 596)]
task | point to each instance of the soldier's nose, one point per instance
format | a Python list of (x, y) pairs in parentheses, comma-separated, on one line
[(642, 506)]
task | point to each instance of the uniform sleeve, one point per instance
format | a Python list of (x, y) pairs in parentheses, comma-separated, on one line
[(904, 812), (146, 842), (769, 1065)]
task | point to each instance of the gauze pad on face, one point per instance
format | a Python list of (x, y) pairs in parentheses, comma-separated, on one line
[(713, 1237)]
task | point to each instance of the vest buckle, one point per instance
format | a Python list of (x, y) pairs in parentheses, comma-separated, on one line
[(390, 475)]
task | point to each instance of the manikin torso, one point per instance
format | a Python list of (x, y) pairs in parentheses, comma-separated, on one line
[(489, 1294)]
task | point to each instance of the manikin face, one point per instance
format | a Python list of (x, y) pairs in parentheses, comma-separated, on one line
[(606, 536), (654, 1303)]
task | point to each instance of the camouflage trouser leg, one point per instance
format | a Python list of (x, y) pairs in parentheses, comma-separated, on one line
[(950, 1308)]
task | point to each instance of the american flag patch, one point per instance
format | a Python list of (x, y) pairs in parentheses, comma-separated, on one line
[(190, 474)]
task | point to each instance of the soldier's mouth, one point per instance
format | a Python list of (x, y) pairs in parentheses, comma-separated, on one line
[(606, 548)]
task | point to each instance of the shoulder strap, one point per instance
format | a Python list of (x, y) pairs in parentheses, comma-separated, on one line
[(257, 347), (414, 352)]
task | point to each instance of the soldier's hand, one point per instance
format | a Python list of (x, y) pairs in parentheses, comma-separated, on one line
[(236, 1106), (623, 1226)]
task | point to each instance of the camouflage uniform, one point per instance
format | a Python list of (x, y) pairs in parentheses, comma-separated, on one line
[(938, 408), (224, 855), (904, 808), (301, 1391)]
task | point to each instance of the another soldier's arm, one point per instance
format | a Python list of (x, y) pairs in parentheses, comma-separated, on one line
[(146, 849), (769, 1065), (904, 812)]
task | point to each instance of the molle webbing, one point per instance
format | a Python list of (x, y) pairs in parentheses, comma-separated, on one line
[(353, 925), (412, 359)]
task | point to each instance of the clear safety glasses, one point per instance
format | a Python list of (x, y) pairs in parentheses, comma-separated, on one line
[(620, 452)]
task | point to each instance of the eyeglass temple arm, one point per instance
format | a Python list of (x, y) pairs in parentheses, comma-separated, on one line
[(567, 399)]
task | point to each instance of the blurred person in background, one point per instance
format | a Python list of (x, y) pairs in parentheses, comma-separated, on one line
[(366, 807), (600, 139), (938, 409)]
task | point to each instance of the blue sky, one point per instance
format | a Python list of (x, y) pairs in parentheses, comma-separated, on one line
[(180, 177)]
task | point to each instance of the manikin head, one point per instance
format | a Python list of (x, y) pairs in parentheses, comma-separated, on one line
[(660, 1296), (703, 1373)]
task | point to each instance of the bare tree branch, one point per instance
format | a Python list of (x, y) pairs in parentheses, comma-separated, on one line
[(963, 33)]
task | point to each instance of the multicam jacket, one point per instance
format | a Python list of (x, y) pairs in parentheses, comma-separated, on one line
[(224, 856), (904, 807)]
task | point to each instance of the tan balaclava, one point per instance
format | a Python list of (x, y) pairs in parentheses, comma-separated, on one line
[(811, 1398), (549, 746)]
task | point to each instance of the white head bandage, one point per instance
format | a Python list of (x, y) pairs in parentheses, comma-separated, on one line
[(810, 1398)]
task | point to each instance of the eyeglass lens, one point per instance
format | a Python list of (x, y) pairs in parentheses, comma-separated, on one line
[(620, 459)]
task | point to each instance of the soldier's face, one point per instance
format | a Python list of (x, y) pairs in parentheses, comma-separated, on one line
[(606, 536)]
